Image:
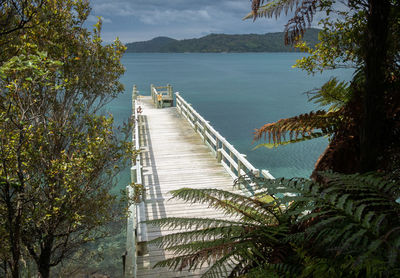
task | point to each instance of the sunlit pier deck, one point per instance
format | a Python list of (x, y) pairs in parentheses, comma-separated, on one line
[(178, 149)]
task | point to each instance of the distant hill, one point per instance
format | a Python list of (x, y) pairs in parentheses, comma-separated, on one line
[(270, 42)]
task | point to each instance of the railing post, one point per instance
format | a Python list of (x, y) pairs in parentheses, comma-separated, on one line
[(239, 168), (171, 94), (134, 173), (195, 125), (219, 155), (134, 94), (231, 165), (180, 103), (152, 92), (204, 131)]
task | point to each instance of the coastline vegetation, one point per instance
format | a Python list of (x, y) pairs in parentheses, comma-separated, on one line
[(58, 153), (217, 43)]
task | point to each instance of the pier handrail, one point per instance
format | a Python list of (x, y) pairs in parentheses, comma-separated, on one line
[(232, 160), (135, 230)]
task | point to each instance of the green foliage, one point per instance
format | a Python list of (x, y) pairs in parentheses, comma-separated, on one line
[(347, 227), (59, 154), (366, 126), (333, 93), (270, 42), (304, 127), (300, 21), (350, 218), (271, 8), (339, 45), (233, 245), (299, 128), (15, 15)]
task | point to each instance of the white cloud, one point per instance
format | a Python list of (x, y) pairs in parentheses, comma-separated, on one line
[(94, 19), (135, 20), (173, 16)]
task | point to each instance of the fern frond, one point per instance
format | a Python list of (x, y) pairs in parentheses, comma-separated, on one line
[(211, 252), (221, 267), (297, 140), (272, 8), (296, 26), (354, 219), (190, 223), (333, 93), (306, 126), (198, 235), (230, 203)]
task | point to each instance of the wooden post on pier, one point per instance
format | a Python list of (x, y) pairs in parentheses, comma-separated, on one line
[(152, 93), (219, 155), (135, 93), (170, 94)]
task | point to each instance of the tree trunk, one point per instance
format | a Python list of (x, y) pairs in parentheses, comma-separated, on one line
[(14, 230), (5, 268), (373, 126), (44, 258)]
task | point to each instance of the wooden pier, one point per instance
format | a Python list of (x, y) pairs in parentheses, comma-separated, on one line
[(179, 148)]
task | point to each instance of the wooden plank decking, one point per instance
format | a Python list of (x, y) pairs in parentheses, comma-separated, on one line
[(173, 156)]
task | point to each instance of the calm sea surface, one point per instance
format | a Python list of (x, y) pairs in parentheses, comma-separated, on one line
[(236, 92)]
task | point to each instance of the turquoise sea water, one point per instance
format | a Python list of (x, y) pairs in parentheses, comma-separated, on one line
[(236, 92)]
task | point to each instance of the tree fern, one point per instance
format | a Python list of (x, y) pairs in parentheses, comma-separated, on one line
[(271, 9), (299, 128), (333, 93), (226, 245), (296, 26), (353, 215), (341, 227)]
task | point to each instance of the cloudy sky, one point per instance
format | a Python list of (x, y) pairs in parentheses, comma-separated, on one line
[(138, 20)]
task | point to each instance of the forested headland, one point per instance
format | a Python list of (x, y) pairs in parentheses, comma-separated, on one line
[(215, 43)]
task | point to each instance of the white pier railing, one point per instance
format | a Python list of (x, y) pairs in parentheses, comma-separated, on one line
[(136, 233), (234, 162)]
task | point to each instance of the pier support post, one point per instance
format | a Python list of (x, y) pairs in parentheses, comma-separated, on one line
[(170, 94), (152, 93), (219, 155), (239, 168), (232, 155), (134, 94), (133, 174)]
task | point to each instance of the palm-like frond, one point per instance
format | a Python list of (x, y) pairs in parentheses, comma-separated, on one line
[(353, 215), (224, 244), (333, 93), (299, 128), (346, 225), (270, 9), (297, 25), (250, 209), (182, 238)]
